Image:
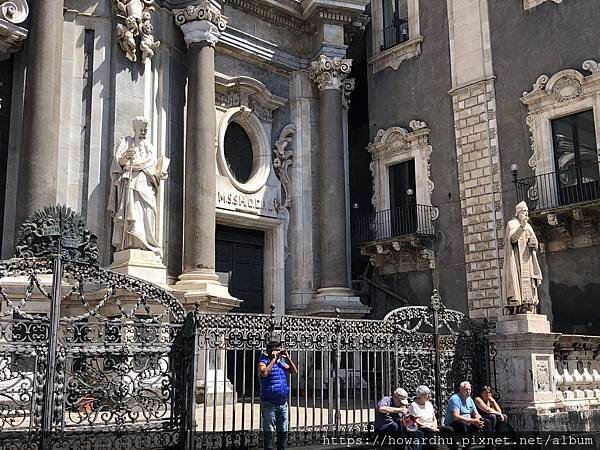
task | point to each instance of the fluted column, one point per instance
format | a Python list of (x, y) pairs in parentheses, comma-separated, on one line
[(201, 26), (37, 184), (330, 75)]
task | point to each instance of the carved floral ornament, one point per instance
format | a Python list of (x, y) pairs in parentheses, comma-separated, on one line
[(330, 73), (563, 91), (136, 15)]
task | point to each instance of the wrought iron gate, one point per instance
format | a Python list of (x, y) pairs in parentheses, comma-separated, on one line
[(345, 367), (87, 355), (91, 358)]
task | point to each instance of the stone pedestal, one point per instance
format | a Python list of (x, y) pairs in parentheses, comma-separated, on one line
[(205, 290), (329, 301), (525, 370), (142, 264)]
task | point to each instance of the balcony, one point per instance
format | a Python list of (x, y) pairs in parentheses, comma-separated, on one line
[(560, 189), (564, 205), (398, 239), (395, 34)]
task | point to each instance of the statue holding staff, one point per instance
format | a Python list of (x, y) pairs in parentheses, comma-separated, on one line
[(522, 274), (136, 175)]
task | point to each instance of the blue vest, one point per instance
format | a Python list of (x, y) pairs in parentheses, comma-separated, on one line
[(274, 388)]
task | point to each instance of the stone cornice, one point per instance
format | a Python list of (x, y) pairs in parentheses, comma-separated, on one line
[(302, 16), (330, 73)]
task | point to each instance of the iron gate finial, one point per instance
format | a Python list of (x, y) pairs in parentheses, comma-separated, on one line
[(57, 229)]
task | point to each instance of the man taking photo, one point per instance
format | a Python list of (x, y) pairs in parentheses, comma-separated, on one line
[(273, 367)]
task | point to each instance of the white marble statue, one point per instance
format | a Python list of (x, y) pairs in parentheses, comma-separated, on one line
[(136, 175), (522, 275)]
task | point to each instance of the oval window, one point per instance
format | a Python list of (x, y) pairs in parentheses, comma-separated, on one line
[(238, 152)]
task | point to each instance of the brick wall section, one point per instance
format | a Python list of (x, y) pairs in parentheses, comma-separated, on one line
[(480, 195)]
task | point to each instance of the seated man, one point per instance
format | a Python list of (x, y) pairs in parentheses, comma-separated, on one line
[(462, 415), (491, 411), (389, 414)]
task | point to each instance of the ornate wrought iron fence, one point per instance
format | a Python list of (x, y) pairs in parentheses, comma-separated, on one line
[(85, 353), (345, 367), (91, 356)]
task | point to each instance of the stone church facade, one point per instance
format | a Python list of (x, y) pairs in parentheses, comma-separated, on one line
[(323, 155)]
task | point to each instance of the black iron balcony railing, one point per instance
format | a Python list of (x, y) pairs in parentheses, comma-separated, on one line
[(395, 34), (393, 223), (561, 188)]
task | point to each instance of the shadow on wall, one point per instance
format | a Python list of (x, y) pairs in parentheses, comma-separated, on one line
[(575, 309)]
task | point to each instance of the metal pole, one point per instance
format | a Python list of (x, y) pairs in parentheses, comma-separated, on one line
[(338, 416), (190, 420), (48, 411), (435, 306)]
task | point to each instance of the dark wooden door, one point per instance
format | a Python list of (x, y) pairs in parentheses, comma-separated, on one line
[(403, 208), (240, 252)]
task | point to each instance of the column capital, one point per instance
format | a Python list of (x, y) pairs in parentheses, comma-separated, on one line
[(201, 23), (330, 73)]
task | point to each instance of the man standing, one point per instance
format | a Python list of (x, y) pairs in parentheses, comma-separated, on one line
[(462, 415), (273, 367), (522, 274)]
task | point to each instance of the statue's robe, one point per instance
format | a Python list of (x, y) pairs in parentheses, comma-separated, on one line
[(522, 274), (133, 197)]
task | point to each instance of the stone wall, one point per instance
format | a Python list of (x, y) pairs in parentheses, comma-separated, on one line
[(481, 204)]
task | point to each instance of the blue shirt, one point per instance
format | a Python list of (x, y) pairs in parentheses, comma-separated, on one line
[(466, 408)]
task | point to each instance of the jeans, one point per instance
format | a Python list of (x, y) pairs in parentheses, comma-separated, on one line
[(275, 418), (397, 431)]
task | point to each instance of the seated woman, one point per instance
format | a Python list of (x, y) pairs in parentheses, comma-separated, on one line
[(424, 414), (490, 410)]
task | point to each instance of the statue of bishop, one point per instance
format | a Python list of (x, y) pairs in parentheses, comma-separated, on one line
[(522, 274), (136, 175)]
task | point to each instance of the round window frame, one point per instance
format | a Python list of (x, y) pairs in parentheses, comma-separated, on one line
[(261, 155)]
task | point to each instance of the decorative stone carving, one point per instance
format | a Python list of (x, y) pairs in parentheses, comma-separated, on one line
[(374, 184), (552, 219), (136, 14), (283, 160), (401, 255), (201, 23), (567, 88), (591, 66), (522, 274), (330, 73), (395, 145), (528, 4), (12, 13), (347, 88), (566, 92), (542, 375), (15, 11), (136, 174)]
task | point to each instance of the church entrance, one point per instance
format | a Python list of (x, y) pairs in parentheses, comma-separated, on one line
[(239, 251)]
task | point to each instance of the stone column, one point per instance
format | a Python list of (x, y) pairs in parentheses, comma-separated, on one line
[(202, 26), (330, 75), (37, 184)]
